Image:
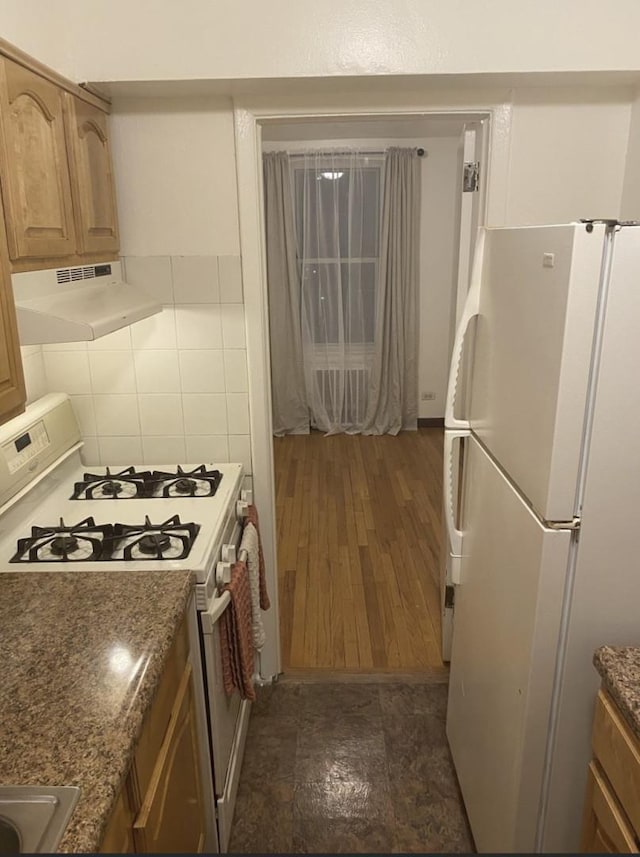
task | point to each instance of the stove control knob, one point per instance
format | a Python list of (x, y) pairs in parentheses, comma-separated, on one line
[(223, 573), (228, 553), (242, 509)]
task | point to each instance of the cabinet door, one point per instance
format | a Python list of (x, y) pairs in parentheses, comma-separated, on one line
[(605, 828), (12, 391), (172, 817), (35, 175), (91, 171), (118, 835)]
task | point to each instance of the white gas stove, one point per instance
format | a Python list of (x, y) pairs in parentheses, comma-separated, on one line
[(56, 514)]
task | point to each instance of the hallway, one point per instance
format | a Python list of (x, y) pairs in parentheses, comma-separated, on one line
[(359, 539)]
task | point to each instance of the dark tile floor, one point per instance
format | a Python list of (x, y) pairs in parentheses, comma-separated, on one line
[(363, 767)]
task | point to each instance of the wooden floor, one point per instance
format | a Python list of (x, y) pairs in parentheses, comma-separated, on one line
[(359, 540)]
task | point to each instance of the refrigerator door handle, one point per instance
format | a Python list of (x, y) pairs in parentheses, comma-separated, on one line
[(450, 497), (470, 311)]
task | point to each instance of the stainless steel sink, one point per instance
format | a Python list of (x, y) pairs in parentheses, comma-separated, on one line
[(33, 819)]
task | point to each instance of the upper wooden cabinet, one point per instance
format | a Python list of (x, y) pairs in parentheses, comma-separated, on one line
[(56, 172), (12, 390), (92, 185), (36, 189)]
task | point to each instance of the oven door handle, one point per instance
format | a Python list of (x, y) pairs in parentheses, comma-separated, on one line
[(215, 611)]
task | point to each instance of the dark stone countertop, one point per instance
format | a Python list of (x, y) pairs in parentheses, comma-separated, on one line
[(619, 667), (82, 654)]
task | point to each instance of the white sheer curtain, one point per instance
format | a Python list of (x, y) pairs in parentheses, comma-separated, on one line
[(350, 285), (337, 201)]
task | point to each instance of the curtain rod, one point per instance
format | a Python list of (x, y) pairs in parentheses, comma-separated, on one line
[(420, 151)]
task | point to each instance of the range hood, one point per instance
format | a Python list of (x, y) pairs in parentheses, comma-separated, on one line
[(77, 304)]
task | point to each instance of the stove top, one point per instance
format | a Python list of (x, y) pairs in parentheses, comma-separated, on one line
[(65, 523), (53, 514)]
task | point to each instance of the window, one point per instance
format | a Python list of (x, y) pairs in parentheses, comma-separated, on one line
[(337, 211)]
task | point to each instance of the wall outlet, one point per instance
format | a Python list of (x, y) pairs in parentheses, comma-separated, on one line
[(427, 397)]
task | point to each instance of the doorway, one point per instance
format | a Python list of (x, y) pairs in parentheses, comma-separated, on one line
[(387, 618)]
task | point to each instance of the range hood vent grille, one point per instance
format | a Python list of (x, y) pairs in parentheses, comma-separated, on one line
[(68, 275)]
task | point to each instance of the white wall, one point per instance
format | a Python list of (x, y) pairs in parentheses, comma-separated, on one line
[(631, 189), (174, 163), (438, 266), (568, 151), (121, 40)]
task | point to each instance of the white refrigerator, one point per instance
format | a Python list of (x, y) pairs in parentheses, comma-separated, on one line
[(543, 518)]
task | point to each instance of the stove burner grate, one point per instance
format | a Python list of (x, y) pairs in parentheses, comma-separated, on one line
[(82, 542), (198, 482), (129, 484), (91, 542), (171, 539), (124, 485)]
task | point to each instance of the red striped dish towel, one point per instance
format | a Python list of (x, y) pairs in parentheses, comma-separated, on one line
[(236, 636)]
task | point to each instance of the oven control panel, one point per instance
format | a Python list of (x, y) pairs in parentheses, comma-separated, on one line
[(22, 449)]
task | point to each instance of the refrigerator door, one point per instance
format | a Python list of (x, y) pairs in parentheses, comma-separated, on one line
[(532, 358), (606, 590), (505, 635)]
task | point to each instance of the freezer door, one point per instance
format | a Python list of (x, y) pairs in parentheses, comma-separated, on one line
[(532, 357), (505, 635)]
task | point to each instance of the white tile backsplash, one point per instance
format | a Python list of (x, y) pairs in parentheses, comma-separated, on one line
[(157, 371), (198, 326), (240, 450), (157, 331), (230, 275), (161, 414), (112, 372), (151, 273), (235, 371), (205, 413), (202, 371), (163, 450), (84, 410), (119, 340), (120, 450), (35, 379), (117, 415), (68, 372), (233, 329), (208, 448), (238, 413), (64, 346), (90, 452), (170, 388), (195, 279)]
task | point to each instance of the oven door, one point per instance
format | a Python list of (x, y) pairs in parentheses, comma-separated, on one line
[(228, 722)]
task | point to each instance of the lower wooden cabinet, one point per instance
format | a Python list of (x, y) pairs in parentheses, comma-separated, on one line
[(611, 822), (605, 828), (172, 815), (118, 836), (161, 806)]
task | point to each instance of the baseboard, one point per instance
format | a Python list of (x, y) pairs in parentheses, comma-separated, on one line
[(430, 422), (429, 675)]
